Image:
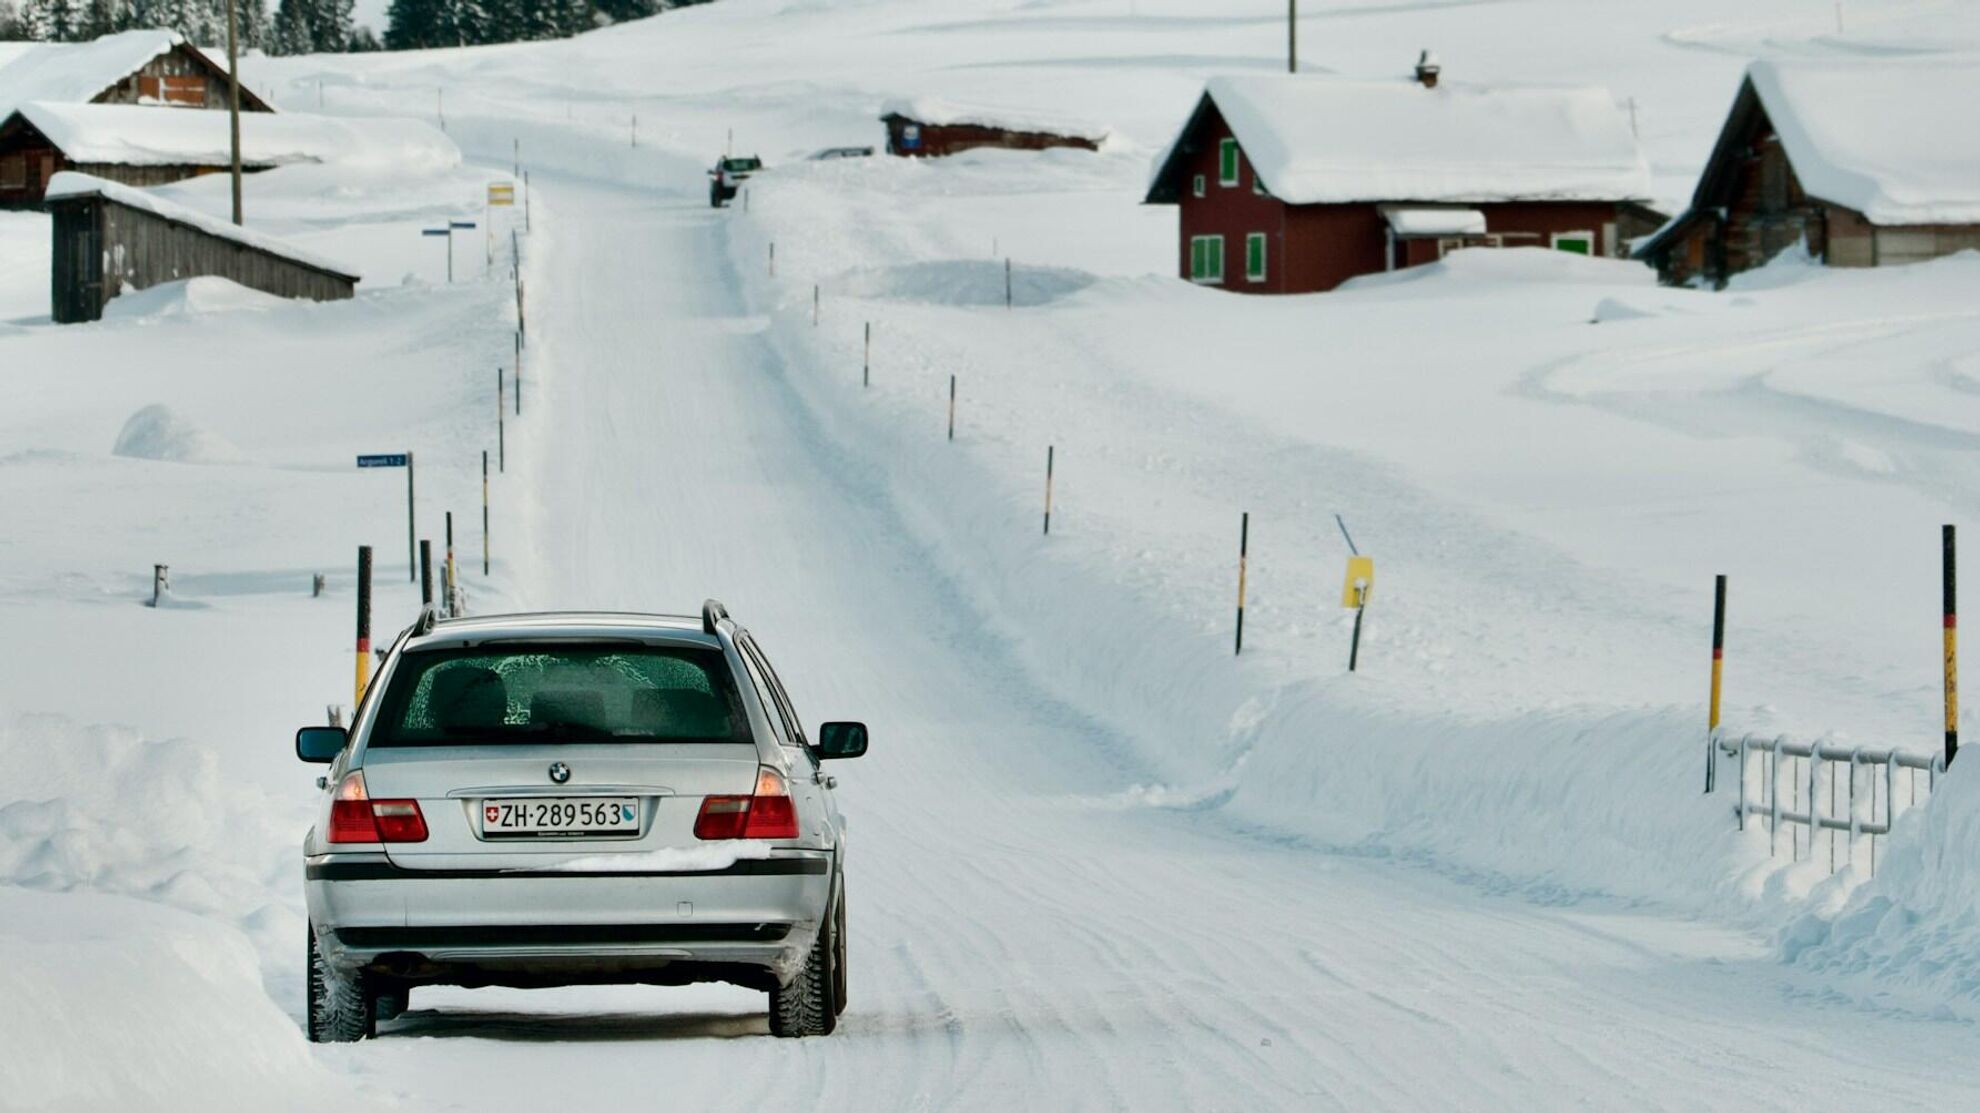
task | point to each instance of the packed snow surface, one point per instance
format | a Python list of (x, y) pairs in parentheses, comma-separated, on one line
[(1320, 139), (1889, 138), (136, 135)]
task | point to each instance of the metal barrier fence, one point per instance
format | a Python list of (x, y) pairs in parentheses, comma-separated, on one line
[(1850, 811)]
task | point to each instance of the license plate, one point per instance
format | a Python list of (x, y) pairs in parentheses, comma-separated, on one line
[(542, 816)]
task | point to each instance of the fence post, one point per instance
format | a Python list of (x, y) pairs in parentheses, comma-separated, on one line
[(161, 582), (1007, 283), (1856, 821), (1048, 488), (814, 305), (1814, 796), (1774, 801), (952, 407), (501, 408), (484, 512), (425, 572), (519, 357), (412, 530), (1244, 550), (1739, 808), (866, 361), (363, 624), (1718, 670), (1951, 583), (453, 584)]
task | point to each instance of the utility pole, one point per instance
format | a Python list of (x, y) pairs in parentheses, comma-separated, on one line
[(234, 103), (1292, 36)]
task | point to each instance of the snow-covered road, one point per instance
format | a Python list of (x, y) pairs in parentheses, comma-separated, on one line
[(1023, 934)]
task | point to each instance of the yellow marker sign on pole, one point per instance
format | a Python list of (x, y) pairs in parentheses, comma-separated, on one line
[(1360, 579), (501, 193)]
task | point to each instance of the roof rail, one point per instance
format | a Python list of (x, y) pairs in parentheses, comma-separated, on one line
[(423, 625), (712, 612)]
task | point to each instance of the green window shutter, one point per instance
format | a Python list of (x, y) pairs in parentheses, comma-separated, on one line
[(1213, 247), (1196, 257), (1227, 163), (1254, 257)]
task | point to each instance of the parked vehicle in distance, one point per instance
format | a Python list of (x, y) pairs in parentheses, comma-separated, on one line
[(728, 176), (827, 153), (575, 798)]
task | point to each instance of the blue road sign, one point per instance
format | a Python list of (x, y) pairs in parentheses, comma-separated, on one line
[(435, 231), (383, 460)]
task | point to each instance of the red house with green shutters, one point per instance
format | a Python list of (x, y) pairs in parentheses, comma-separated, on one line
[(1290, 184)]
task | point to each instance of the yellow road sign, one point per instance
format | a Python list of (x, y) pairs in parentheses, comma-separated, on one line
[(501, 193), (1360, 579)]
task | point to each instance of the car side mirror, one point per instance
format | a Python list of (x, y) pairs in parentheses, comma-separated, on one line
[(841, 740), (320, 745)]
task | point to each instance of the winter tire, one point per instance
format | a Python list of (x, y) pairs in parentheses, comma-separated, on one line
[(839, 952), (340, 1011), (804, 1007)]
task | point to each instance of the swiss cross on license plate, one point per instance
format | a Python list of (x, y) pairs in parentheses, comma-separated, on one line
[(543, 816)]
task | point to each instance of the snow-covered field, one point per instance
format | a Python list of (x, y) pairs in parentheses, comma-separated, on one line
[(1100, 862)]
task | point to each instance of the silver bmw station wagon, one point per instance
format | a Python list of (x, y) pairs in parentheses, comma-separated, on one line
[(564, 799)]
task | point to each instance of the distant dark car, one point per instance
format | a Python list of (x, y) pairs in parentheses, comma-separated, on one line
[(826, 153), (728, 176)]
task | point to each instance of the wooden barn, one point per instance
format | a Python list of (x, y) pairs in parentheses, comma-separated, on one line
[(928, 128), (111, 239), (150, 67), (147, 147), (1288, 184), (1867, 164), (132, 69)]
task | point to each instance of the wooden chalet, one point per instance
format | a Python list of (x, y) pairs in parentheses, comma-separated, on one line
[(928, 128), (111, 239), (1290, 184), (153, 69), (1867, 164)]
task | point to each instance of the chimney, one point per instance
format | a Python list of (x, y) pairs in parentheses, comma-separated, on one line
[(1427, 70)]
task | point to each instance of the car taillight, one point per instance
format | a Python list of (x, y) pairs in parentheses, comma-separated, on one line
[(768, 814), (355, 817)]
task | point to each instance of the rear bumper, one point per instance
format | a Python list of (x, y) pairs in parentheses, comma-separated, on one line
[(751, 923)]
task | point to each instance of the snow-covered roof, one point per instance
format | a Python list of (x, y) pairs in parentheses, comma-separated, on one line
[(71, 184), (1893, 140), (77, 72), (937, 112), (1407, 221), (132, 135), (1318, 140)]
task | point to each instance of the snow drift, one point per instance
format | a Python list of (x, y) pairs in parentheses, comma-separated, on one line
[(157, 432)]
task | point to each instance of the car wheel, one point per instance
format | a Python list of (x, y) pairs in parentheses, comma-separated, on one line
[(804, 1007), (340, 1011), (839, 953)]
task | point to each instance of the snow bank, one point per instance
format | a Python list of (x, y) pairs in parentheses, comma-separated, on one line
[(156, 432), (134, 135), (117, 1004), (1890, 139), (1318, 140), (187, 297), (939, 112), (70, 183), (1915, 928), (103, 809), (962, 282)]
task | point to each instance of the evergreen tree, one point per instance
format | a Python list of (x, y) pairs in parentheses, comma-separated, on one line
[(412, 24), (291, 31), (54, 21), (10, 22), (365, 40), (330, 26)]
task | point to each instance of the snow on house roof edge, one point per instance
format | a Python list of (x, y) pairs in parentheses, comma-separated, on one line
[(939, 113), (70, 184)]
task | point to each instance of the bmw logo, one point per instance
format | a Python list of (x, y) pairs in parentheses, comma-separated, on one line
[(559, 772)]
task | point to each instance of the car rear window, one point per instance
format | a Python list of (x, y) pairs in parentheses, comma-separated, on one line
[(742, 164), (560, 693)]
